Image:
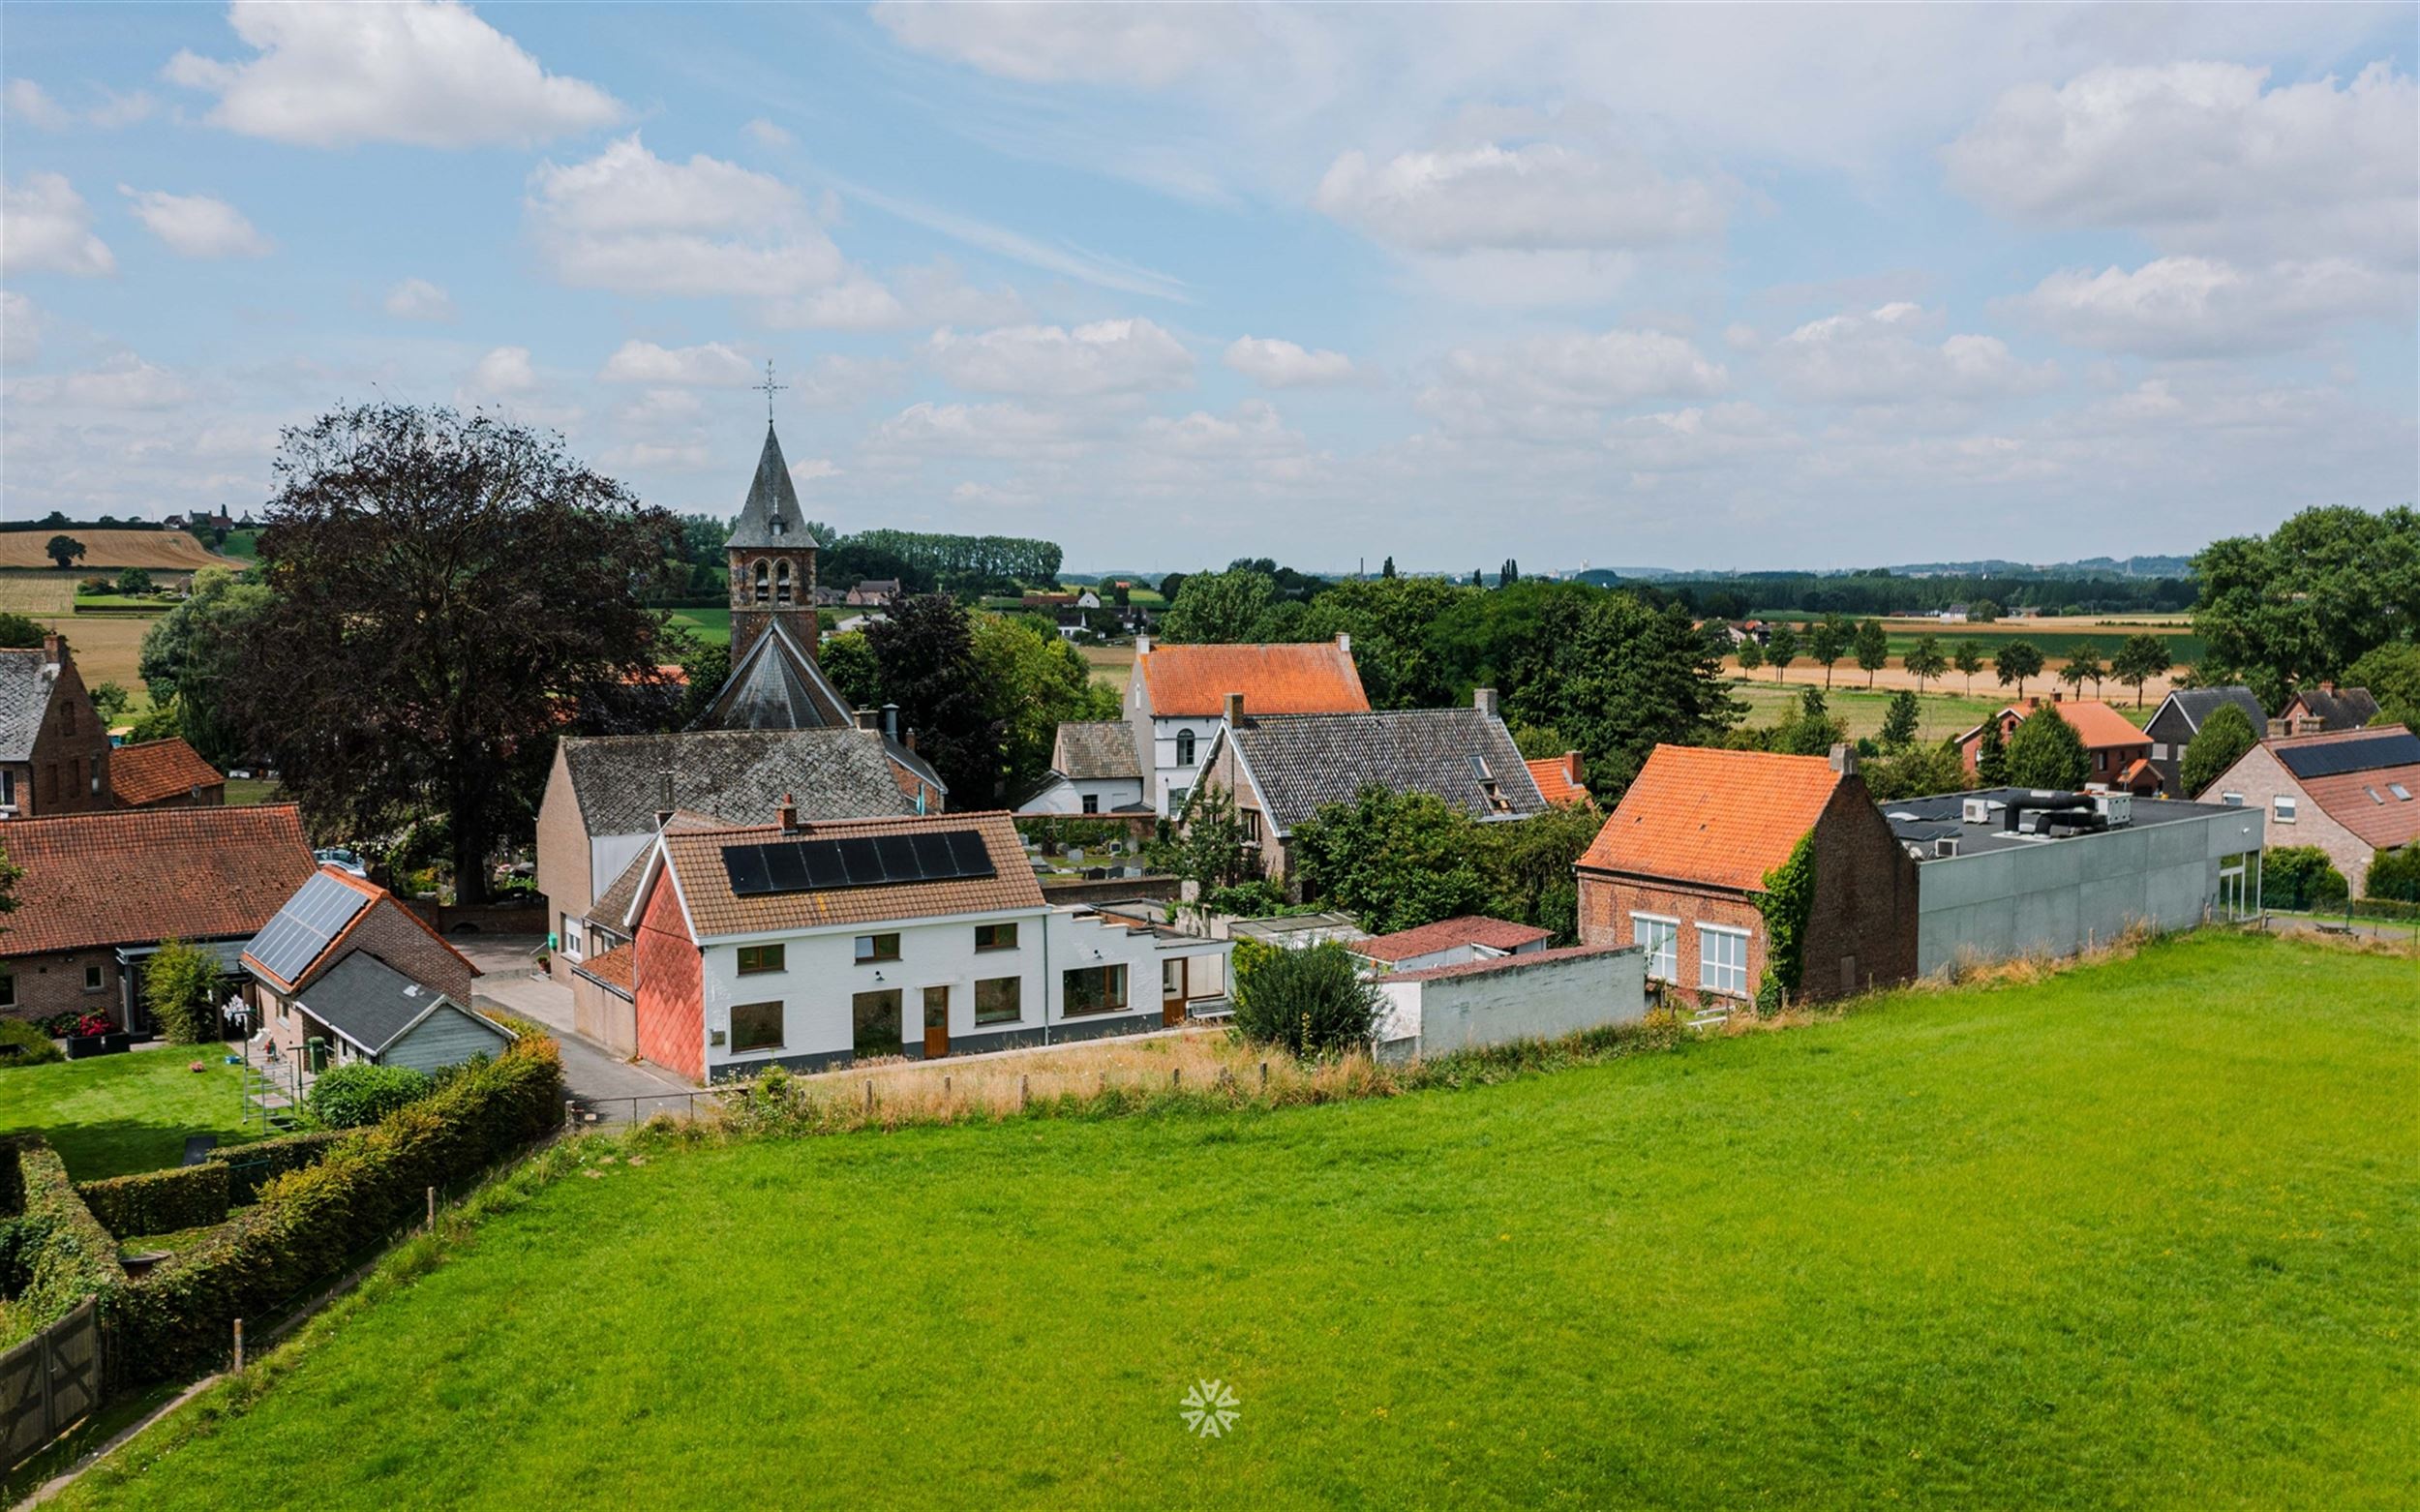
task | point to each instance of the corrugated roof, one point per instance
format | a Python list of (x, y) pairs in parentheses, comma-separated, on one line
[(153, 771), (1500, 963), (735, 775), (133, 876), (696, 859), (1301, 762), (1095, 750), (1502, 934), (1717, 817), (1317, 678)]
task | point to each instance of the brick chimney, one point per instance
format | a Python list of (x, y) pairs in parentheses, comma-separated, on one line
[(1485, 702), (1571, 768), (1844, 760), (2327, 686), (53, 649), (1234, 710), (2280, 727), (787, 815), (867, 719)]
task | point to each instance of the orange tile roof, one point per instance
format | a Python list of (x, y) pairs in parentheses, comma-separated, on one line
[(1555, 782), (1716, 817), (2100, 725), (1500, 934), (714, 910), (611, 969), (155, 770), (1317, 678), (137, 876), (337, 948)]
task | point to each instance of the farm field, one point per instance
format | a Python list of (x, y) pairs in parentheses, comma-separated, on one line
[(1942, 716), (2141, 1233), (1111, 665), (108, 647), (711, 625), (114, 1114), (38, 594), (173, 549)]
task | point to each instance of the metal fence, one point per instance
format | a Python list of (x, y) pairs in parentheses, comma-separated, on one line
[(584, 1113), (50, 1383)]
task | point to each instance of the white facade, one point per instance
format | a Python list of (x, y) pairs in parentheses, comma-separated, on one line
[(1534, 995), (1069, 795)]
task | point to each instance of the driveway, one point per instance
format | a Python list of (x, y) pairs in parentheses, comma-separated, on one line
[(619, 1089)]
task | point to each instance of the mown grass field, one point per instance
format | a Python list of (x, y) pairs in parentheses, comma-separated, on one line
[(113, 1114), (2141, 1234)]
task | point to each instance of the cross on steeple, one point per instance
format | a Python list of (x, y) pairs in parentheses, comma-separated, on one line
[(769, 388)]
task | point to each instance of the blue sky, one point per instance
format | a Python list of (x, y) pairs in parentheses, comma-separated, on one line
[(1720, 287)]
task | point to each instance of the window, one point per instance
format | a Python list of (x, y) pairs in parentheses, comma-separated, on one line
[(1660, 938), (2231, 800), (2158, 750), (1722, 960), (999, 1000), (874, 1020), (1177, 797), (2403, 794), (7, 789), (1093, 989), (782, 584), (7, 989), (755, 958), (995, 937), (1252, 825), (95, 778), (756, 1026), (877, 947), (1183, 747), (2285, 807), (763, 577), (572, 937), (92, 979), (1092, 802)]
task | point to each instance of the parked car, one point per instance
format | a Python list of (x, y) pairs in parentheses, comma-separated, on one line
[(342, 858)]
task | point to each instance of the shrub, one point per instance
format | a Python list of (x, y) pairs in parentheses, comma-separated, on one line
[(1312, 1002), (358, 1093), (181, 985), (160, 1202), (2301, 877), (52, 1253), (25, 1045), (2221, 741), (2394, 876), (2047, 752), (252, 1167)]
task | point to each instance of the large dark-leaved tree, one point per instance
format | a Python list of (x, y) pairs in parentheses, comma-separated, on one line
[(924, 653), (448, 594)]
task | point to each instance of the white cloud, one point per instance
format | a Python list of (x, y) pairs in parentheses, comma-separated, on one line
[(765, 134), (1137, 47), (502, 373), (713, 365), (660, 457), (629, 220), (1581, 370), (196, 226), (123, 382), (418, 299), (1273, 363), (1105, 357), (1001, 431), (811, 468), (1877, 357), (30, 103), (21, 330), (1253, 430), (2202, 158), (47, 228), (2199, 307), (1534, 197), (430, 75), (857, 303)]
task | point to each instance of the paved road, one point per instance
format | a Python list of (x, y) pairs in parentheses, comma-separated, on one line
[(590, 1069)]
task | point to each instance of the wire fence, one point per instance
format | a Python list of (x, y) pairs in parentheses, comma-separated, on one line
[(588, 1112)]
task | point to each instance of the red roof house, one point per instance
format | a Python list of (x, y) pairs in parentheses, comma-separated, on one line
[(165, 773)]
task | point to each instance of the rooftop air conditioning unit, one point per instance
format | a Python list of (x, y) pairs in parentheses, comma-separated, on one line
[(1976, 811), (2116, 808), (1946, 845)]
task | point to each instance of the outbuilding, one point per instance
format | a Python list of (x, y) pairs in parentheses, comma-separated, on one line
[(367, 1011)]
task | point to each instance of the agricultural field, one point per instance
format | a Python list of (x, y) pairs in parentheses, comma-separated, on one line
[(116, 1114), (711, 625), (173, 551), (1111, 665), (108, 647), (1941, 714), (2138, 1234), (38, 594)]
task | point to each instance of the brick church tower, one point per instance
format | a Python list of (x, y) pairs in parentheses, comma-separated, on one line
[(772, 560)]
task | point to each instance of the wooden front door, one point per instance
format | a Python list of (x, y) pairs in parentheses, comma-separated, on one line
[(936, 1022), (1172, 993)]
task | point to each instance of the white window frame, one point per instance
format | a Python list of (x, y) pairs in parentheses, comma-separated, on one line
[(1714, 975), (1662, 965), (2231, 800), (2281, 809)]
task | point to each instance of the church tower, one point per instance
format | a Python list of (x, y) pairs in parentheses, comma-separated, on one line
[(772, 560)]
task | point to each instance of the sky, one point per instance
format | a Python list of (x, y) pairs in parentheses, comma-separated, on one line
[(1697, 287)]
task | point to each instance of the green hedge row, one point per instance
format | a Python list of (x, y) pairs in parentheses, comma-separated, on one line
[(159, 1202), (252, 1167), (311, 1225), (52, 1253)]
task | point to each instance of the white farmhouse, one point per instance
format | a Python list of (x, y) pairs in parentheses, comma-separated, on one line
[(1176, 701)]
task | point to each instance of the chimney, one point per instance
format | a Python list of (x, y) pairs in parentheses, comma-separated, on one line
[(890, 720), (1484, 701), (2034, 702), (910, 741), (2279, 729), (1844, 760), (663, 797), (788, 815), (2056, 695), (1345, 641), (2326, 685), (867, 719), (2308, 724), (53, 649), (1234, 710), (1142, 645), (1571, 768)]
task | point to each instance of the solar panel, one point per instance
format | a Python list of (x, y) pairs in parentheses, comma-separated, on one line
[(855, 862), (318, 912), (2338, 756)]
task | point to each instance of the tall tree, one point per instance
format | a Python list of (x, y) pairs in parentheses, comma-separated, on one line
[(191, 659), (1898, 723), (65, 551), (1826, 645), (2217, 745), (1036, 680), (1924, 661), (1781, 647), (2140, 659), (2017, 661), (2391, 674), (1873, 648), (2047, 752), (848, 662), (1991, 756), (1388, 569), (1615, 676), (1510, 575), (1751, 655), (446, 593), (1969, 660), (1220, 608), (2307, 601), (924, 653)]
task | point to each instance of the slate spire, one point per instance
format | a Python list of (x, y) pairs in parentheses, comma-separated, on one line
[(771, 517)]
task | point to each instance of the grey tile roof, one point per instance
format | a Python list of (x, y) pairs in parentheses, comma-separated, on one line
[(1096, 749), (2346, 709), (25, 683), (771, 516), (1301, 762), (368, 1002), (777, 685), (735, 775), (2198, 704)]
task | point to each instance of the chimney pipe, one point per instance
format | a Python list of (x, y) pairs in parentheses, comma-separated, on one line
[(1142, 645), (787, 815), (1844, 760), (1345, 641), (890, 720), (1484, 701)]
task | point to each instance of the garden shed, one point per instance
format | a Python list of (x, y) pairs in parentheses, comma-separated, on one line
[(375, 1012)]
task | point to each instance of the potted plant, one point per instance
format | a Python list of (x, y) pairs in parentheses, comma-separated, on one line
[(93, 1034)]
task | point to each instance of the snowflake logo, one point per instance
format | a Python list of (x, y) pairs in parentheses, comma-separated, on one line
[(1210, 1409)]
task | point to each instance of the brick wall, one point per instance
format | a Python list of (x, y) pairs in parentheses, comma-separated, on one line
[(1607, 902), (564, 858), (669, 988), (2261, 779), (54, 984), (73, 744), (390, 932), (1223, 771), (1861, 932)]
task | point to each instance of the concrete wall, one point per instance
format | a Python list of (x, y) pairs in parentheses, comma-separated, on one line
[(2056, 898), (1518, 998), (604, 1015)]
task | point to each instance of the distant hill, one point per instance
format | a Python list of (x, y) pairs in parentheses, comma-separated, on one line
[(2086, 567)]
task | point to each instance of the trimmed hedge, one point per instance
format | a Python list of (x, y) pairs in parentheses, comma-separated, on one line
[(359, 1093), (160, 1202), (311, 1225), (252, 1167), (52, 1253)]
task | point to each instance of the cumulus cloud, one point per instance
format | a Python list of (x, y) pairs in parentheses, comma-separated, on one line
[(430, 75), (2205, 158), (1001, 431), (629, 220), (1584, 369), (196, 226), (47, 228), (1539, 196), (2201, 307), (857, 303), (1105, 357), (1272, 363), (418, 299), (765, 134), (21, 330), (711, 365), (1878, 356), (30, 103), (503, 372)]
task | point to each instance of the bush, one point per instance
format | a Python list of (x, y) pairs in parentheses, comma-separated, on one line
[(25, 1045), (52, 1253), (358, 1093), (252, 1167), (2394, 876), (2221, 741), (2300, 877), (1312, 1002), (181, 985), (160, 1202)]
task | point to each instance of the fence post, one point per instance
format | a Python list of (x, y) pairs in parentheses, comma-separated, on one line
[(1176, 1077), (239, 1346), (433, 1209), (944, 1088), (1265, 1076), (1024, 1085), (869, 1096)]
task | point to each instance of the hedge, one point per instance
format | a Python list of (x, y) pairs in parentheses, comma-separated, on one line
[(311, 1225), (252, 1167), (52, 1253), (160, 1202)]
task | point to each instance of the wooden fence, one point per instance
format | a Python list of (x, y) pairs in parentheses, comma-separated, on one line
[(50, 1383)]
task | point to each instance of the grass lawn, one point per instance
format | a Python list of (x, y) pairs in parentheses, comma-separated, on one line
[(711, 625), (113, 1114), (251, 790), (2140, 1234)]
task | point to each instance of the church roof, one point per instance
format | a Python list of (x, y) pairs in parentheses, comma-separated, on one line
[(777, 685), (771, 517)]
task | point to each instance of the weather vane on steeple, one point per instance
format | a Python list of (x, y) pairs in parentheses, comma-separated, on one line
[(770, 389)]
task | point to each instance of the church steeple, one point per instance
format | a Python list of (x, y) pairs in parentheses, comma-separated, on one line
[(772, 555)]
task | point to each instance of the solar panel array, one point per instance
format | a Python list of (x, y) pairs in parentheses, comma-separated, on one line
[(857, 862), (2334, 758), (313, 916)]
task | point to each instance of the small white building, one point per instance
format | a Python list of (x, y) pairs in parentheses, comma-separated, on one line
[(1451, 942), (1500, 1000), (813, 946), (1093, 770), (1176, 701)]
